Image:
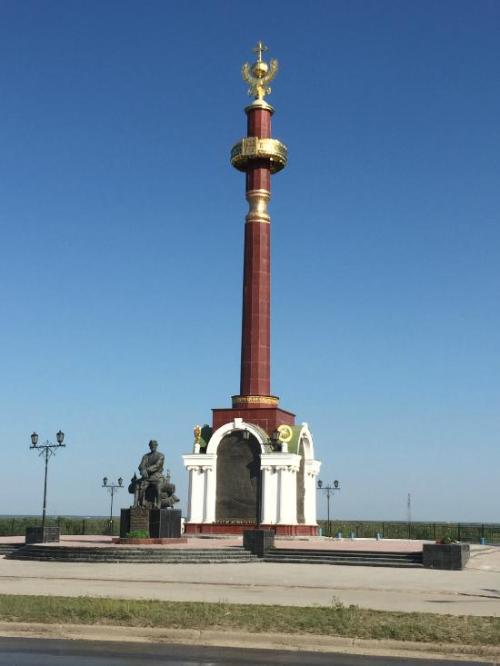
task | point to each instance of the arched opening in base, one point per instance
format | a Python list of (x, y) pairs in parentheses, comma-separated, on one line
[(238, 478)]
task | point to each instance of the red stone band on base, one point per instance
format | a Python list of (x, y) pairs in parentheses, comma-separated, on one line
[(266, 417), (224, 528)]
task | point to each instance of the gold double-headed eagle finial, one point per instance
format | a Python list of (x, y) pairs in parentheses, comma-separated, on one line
[(260, 74)]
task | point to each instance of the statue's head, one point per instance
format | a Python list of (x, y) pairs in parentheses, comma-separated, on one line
[(153, 445)]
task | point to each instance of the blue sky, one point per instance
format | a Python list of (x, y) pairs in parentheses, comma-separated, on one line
[(121, 224)]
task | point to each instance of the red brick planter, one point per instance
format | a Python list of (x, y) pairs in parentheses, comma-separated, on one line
[(224, 528)]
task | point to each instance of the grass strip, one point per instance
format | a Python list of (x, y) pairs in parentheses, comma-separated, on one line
[(334, 620)]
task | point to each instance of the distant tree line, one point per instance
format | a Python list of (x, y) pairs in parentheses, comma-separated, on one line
[(16, 525)]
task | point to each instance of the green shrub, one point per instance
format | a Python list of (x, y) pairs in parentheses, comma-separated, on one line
[(446, 540), (138, 534)]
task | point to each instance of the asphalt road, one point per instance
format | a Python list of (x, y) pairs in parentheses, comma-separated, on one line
[(45, 652)]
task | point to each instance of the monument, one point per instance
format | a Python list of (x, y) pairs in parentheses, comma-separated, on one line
[(254, 467), (154, 499)]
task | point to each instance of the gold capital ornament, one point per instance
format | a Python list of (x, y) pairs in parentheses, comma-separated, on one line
[(260, 74)]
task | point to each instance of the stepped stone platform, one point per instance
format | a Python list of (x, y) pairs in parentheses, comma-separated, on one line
[(201, 550), (130, 554), (8, 548), (365, 558)]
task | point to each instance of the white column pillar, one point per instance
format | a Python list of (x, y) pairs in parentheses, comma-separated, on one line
[(209, 508), (311, 471), (309, 499), (197, 494), (263, 483), (190, 492), (313, 512), (279, 493), (288, 495), (292, 495), (201, 502), (267, 510), (282, 495)]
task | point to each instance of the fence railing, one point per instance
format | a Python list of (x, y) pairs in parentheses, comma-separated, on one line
[(389, 529), (468, 532)]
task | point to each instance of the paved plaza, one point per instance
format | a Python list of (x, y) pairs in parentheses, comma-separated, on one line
[(473, 591)]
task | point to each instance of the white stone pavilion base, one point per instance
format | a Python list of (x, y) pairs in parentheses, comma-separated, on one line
[(278, 485)]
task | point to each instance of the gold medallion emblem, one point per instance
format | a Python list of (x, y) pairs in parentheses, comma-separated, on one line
[(286, 433)]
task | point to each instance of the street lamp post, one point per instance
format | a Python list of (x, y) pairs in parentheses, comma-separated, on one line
[(47, 450), (330, 489), (112, 488)]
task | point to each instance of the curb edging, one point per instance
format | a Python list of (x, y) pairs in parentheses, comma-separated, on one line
[(240, 639)]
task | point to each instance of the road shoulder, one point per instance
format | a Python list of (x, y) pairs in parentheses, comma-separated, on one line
[(240, 639)]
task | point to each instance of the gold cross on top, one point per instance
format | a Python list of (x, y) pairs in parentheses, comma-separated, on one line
[(259, 50)]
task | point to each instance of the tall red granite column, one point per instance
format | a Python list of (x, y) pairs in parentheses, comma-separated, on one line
[(259, 156), (255, 377)]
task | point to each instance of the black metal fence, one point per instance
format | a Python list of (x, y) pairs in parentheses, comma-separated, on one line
[(468, 532), (389, 529)]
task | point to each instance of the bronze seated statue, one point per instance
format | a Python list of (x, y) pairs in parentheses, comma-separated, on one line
[(152, 490)]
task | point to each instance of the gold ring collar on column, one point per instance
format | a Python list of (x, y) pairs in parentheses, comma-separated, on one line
[(253, 147), (250, 400)]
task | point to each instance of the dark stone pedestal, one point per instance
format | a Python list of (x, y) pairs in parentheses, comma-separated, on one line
[(159, 523), (165, 523), (135, 519), (258, 542), (42, 535), (446, 555)]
